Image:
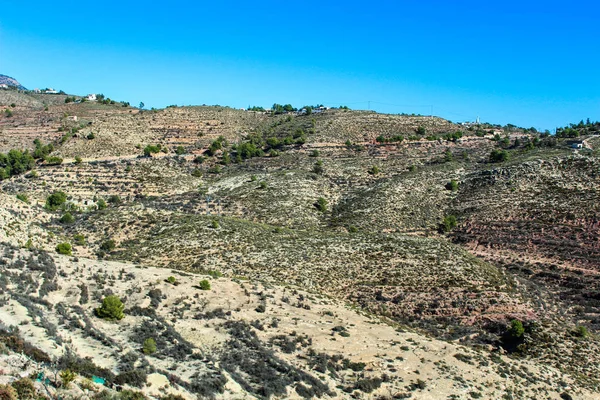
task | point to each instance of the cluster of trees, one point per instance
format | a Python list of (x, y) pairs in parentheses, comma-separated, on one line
[(16, 162), (576, 130)]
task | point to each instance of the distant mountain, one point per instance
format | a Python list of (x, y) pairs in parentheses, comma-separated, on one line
[(7, 80)]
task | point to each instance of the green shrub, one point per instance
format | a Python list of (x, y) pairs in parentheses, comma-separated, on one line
[(253, 178), (452, 185), (581, 331), (197, 173), (111, 309), (448, 223), (214, 224), (318, 167), (55, 200), (108, 245), (516, 329), (180, 150), (78, 160), (204, 284), (172, 280), (321, 204), (67, 218), (151, 149), (314, 153), (149, 346), (101, 204), (54, 160), (67, 376), (263, 185), (23, 198), (374, 170), (64, 248), (79, 240), (497, 156)]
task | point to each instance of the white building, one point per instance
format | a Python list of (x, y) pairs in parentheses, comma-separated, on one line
[(91, 97), (3, 86)]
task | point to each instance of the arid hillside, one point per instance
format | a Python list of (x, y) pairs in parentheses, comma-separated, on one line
[(355, 231)]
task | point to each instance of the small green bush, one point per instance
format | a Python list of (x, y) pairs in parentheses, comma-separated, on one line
[(108, 245), (101, 204), (67, 218), (149, 346), (78, 160), (54, 160), (497, 156), (79, 240), (151, 149), (321, 204), (452, 185), (64, 248), (263, 185), (172, 280), (214, 224), (582, 332), (448, 223), (180, 150), (516, 329), (23, 198), (204, 284), (67, 376), (374, 170), (111, 309)]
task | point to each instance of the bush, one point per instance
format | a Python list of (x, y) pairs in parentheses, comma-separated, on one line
[(516, 329), (263, 185), (78, 160), (321, 204), (23, 198), (54, 160), (151, 149), (448, 223), (79, 240), (214, 224), (114, 199), (25, 389), (67, 376), (204, 284), (180, 150), (67, 218), (172, 280), (111, 309), (582, 332), (64, 248), (499, 156), (318, 167), (101, 204), (55, 200), (452, 185), (108, 245), (149, 346), (374, 170)]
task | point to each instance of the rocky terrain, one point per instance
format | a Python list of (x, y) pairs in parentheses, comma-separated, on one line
[(350, 254)]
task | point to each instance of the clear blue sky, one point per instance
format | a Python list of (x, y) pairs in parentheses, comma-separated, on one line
[(530, 63)]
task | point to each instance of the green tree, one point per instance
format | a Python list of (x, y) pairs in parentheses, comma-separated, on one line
[(180, 150), (151, 149), (112, 308), (55, 200), (149, 346), (497, 156)]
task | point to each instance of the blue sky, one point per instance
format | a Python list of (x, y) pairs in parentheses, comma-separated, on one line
[(530, 63)]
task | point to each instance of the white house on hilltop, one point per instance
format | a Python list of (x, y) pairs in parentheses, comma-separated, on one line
[(91, 97)]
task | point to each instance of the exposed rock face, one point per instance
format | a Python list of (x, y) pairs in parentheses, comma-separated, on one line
[(7, 80)]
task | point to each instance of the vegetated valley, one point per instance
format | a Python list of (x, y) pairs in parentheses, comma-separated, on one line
[(210, 252)]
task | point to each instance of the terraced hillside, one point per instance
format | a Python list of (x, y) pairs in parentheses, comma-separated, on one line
[(450, 232)]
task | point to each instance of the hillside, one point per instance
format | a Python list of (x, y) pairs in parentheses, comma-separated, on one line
[(12, 82), (408, 243)]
